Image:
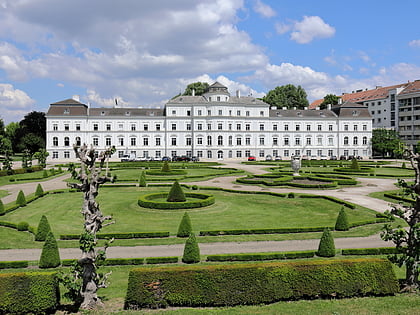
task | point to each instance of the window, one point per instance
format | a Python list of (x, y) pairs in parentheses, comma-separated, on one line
[(66, 127), (199, 112), (355, 140), (173, 153), (209, 112), (261, 153), (297, 141), (238, 113), (133, 141), (219, 126), (188, 113), (346, 140), (220, 140), (174, 112), (230, 126), (238, 154), (364, 127), (286, 153), (158, 154), (208, 140), (261, 113), (55, 127), (286, 127), (133, 127), (108, 141), (173, 127), (275, 141), (218, 98), (248, 127), (364, 140), (200, 154), (188, 141), (120, 126), (66, 154), (95, 141), (275, 152), (354, 127), (297, 127), (330, 127), (120, 141), (55, 155), (199, 140), (78, 141), (220, 111), (330, 141), (209, 154), (319, 127), (146, 141), (275, 127), (247, 153), (330, 152), (145, 127), (261, 127), (261, 141), (247, 141), (208, 126), (308, 153), (238, 126), (319, 141), (173, 141), (158, 127), (346, 127), (66, 142), (199, 126), (188, 126), (247, 113), (78, 127), (238, 141), (308, 141), (286, 141), (157, 141), (308, 127), (230, 140), (95, 127), (108, 127), (55, 142)]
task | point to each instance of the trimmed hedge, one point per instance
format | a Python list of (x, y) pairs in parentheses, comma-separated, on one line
[(128, 235), (147, 201), (262, 231), (165, 173), (261, 256), (258, 283), (29, 293), (13, 264), (370, 251), (161, 260)]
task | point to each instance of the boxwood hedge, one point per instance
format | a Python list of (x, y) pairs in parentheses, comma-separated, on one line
[(252, 284), (200, 200)]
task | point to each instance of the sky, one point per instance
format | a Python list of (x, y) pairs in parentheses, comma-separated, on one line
[(142, 52)]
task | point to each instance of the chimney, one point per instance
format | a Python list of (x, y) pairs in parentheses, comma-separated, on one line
[(284, 108), (238, 93), (76, 98), (193, 92), (329, 106), (340, 101)]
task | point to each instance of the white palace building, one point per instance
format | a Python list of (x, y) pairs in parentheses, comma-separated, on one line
[(212, 126)]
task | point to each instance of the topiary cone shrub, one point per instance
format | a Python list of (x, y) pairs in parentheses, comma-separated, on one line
[(176, 194), (2, 210), (355, 164), (50, 257), (191, 250), (43, 229), (39, 191), (45, 174), (142, 180), (326, 246), (342, 223), (21, 200), (166, 167), (185, 227)]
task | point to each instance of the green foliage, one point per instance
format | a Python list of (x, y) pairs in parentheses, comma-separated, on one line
[(199, 88), (326, 246), (29, 293), (39, 191), (50, 257), (127, 235), (13, 264), (197, 200), (287, 96), (43, 229), (142, 180), (72, 282), (176, 194), (258, 283), (41, 156), (185, 227), (342, 223), (291, 195), (329, 99), (166, 167), (191, 250), (2, 210), (386, 142), (22, 226), (21, 200), (355, 164), (369, 251), (161, 260), (45, 174), (262, 256)]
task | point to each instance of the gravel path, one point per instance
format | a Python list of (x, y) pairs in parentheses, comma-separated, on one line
[(358, 195)]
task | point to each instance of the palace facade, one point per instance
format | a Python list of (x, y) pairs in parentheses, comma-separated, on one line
[(215, 125)]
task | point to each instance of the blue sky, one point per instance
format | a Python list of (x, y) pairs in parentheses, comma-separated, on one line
[(145, 52)]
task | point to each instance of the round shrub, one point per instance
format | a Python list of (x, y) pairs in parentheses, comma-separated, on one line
[(198, 200), (185, 228), (50, 257), (342, 223), (176, 193), (43, 229), (194, 187), (191, 250), (22, 226), (21, 200), (291, 195), (165, 167), (326, 246)]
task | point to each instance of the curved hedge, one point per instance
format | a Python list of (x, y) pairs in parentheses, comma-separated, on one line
[(287, 180), (162, 173), (200, 200), (258, 283)]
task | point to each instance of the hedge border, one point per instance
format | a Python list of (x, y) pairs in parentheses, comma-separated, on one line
[(261, 256), (146, 201), (127, 235)]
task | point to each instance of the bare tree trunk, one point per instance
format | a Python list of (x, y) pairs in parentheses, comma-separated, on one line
[(91, 178)]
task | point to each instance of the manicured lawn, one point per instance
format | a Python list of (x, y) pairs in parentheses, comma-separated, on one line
[(3, 193), (25, 178)]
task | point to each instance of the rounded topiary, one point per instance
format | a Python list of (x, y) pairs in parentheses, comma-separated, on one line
[(43, 229), (50, 257), (185, 227), (142, 180), (39, 191), (176, 194), (191, 250), (291, 195), (342, 223), (2, 210), (22, 226), (355, 164), (326, 246), (21, 200), (166, 167)]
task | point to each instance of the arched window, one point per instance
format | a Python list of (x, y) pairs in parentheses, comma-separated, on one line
[(55, 141), (220, 140), (230, 140), (364, 140), (66, 142), (346, 140), (78, 141), (355, 140)]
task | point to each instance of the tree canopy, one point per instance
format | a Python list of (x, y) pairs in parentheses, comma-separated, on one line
[(287, 96), (199, 87), (329, 99), (385, 142)]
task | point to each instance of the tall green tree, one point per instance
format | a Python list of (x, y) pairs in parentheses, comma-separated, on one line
[(41, 156), (31, 134), (287, 96), (11, 133), (385, 142), (329, 99), (199, 88)]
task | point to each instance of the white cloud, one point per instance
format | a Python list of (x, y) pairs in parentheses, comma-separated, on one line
[(264, 9), (14, 103), (282, 28), (414, 43), (310, 28)]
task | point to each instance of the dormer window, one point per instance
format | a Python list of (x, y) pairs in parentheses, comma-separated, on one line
[(66, 111), (127, 113), (102, 113)]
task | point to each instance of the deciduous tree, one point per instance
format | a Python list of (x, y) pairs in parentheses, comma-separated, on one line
[(287, 96)]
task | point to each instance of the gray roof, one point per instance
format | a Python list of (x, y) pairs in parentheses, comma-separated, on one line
[(349, 109), (126, 112), (296, 113), (68, 101), (191, 100)]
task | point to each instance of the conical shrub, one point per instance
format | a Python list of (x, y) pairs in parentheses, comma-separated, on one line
[(50, 257), (326, 246), (176, 194), (45, 174), (21, 200), (39, 191), (342, 223), (191, 250), (2, 210), (166, 167), (185, 228), (43, 229), (142, 180), (355, 164)]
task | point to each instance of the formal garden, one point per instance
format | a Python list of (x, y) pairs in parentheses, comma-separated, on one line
[(151, 205)]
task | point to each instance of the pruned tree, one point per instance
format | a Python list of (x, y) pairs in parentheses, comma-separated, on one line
[(91, 176), (407, 239)]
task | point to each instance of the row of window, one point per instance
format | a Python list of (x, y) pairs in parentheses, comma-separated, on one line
[(219, 112), (219, 139)]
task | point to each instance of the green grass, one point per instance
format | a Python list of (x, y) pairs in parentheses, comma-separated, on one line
[(3, 193), (34, 177)]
